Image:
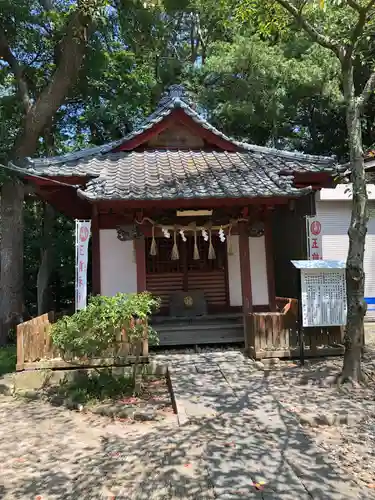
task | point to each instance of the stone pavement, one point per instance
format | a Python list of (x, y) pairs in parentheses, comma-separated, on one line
[(236, 433), (249, 436)]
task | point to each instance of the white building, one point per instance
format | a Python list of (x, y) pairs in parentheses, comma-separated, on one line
[(333, 209)]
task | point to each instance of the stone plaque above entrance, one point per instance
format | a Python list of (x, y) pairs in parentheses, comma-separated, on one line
[(188, 304)]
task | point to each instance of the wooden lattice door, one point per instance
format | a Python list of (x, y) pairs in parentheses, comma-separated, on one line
[(165, 276)]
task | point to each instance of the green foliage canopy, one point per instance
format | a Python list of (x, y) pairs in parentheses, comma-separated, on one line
[(272, 94)]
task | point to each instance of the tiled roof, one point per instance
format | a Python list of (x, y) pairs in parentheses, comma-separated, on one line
[(159, 174)]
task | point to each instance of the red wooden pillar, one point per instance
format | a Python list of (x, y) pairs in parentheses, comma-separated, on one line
[(247, 298), (95, 251), (269, 260), (140, 259)]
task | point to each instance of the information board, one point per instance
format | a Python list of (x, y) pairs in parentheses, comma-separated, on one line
[(323, 293)]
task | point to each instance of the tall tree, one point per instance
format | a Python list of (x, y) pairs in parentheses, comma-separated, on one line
[(60, 34), (342, 27), (282, 95)]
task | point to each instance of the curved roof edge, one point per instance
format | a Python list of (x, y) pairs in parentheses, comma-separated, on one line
[(174, 98)]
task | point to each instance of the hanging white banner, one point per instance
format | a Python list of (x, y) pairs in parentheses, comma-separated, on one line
[(314, 238), (83, 228)]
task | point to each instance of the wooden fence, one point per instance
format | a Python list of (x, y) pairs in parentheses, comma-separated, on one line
[(35, 349), (275, 334)]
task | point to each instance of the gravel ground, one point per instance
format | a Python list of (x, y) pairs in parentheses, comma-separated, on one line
[(49, 452), (350, 445), (52, 453), (304, 392)]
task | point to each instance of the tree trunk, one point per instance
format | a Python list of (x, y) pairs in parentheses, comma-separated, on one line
[(11, 274), (355, 276), (44, 301), (46, 261), (37, 116)]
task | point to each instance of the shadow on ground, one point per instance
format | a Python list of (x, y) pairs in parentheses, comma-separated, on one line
[(243, 435)]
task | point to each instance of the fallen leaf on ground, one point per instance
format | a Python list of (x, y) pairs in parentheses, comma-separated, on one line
[(259, 485), (130, 400)]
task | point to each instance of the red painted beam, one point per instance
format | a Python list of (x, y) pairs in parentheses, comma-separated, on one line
[(146, 230), (111, 221), (269, 260), (247, 298), (140, 258), (95, 247), (211, 203), (66, 201), (316, 180), (177, 116)]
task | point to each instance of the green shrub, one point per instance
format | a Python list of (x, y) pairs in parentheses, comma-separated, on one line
[(8, 359), (91, 331)]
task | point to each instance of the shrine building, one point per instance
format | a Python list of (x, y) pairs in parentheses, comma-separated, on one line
[(179, 209)]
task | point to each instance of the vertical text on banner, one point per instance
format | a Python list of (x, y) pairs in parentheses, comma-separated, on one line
[(83, 228), (314, 238)]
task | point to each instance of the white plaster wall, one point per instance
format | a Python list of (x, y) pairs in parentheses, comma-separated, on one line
[(234, 274), (342, 192), (258, 266), (118, 271), (335, 220)]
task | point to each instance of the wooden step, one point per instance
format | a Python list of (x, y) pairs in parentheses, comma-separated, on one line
[(197, 337), (192, 332), (198, 319), (196, 326)]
